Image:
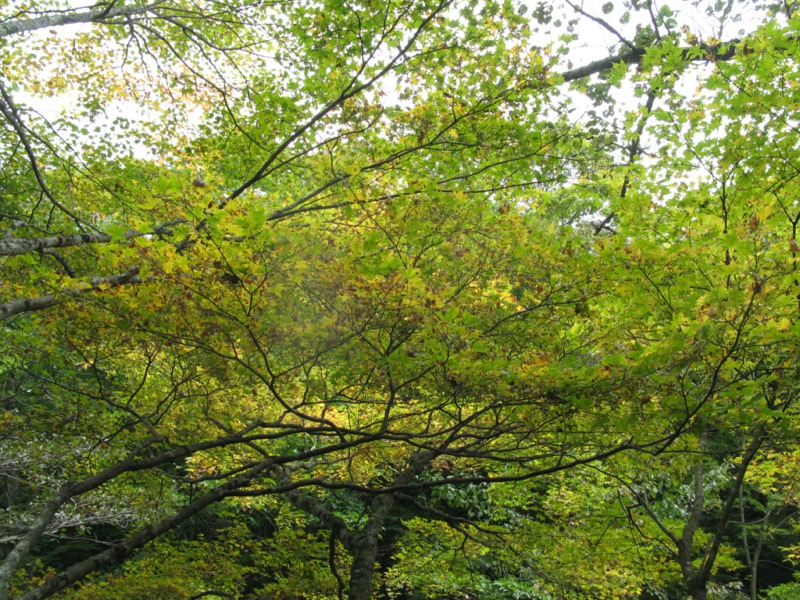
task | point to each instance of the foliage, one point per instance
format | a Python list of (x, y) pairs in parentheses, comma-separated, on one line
[(398, 299), (182, 569)]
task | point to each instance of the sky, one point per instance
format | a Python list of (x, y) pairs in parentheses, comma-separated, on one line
[(593, 41)]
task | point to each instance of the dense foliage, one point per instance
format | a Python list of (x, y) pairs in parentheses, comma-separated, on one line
[(407, 299)]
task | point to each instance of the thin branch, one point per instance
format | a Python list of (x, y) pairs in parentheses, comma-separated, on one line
[(351, 91), (603, 23), (9, 111)]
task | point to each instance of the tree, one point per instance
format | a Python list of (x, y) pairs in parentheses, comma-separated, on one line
[(359, 260)]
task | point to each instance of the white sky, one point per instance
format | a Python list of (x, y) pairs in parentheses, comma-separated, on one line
[(593, 42)]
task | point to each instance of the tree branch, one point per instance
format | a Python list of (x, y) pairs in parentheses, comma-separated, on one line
[(634, 57), (56, 20), (21, 305)]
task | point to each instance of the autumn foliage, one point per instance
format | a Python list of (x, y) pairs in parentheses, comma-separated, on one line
[(408, 299)]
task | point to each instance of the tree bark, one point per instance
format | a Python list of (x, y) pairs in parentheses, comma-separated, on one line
[(756, 557), (696, 579), (695, 584), (72, 17), (22, 305), (365, 543), (366, 549), (635, 56), (699, 592), (11, 246)]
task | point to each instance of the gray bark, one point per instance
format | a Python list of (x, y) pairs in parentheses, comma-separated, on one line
[(67, 18), (21, 305), (686, 545), (365, 545), (11, 246), (365, 552), (635, 56)]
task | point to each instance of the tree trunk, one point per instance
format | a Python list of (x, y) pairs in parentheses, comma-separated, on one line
[(693, 579), (699, 591), (696, 579), (364, 546), (757, 556), (366, 549)]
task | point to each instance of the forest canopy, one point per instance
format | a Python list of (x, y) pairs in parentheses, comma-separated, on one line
[(406, 299)]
